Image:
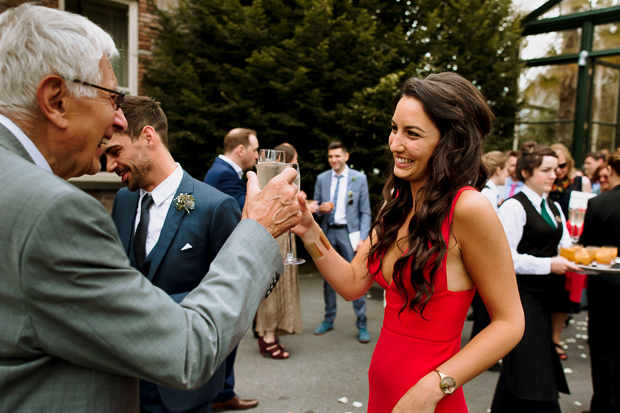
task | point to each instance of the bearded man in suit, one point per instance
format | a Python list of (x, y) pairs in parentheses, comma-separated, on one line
[(79, 324), (342, 194), (183, 234)]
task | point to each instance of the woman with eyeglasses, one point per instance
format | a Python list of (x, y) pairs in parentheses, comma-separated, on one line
[(566, 178), (566, 181)]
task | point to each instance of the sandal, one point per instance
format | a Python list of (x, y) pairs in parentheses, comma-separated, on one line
[(275, 350), (561, 354)]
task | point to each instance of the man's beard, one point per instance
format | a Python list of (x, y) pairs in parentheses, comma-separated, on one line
[(139, 174)]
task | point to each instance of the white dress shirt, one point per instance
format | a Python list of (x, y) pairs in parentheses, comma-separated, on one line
[(492, 193), (162, 198), (340, 217), (513, 218), (30, 147), (230, 162)]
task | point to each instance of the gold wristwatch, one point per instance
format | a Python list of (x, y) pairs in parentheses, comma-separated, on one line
[(447, 384)]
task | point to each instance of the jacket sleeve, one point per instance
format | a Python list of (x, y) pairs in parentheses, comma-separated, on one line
[(90, 308), (364, 203)]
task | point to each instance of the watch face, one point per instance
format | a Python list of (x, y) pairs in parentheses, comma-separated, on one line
[(447, 385)]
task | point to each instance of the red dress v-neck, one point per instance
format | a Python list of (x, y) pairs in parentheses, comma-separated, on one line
[(410, 346)]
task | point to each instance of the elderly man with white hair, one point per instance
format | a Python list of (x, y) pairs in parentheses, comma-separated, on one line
[(80, 325)]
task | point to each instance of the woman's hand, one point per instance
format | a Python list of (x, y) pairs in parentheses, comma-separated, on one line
[(421, 398), (559, 265)]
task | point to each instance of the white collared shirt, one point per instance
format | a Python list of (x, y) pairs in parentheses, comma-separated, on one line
[(162, 198), (513, 218), (232, 163), (492, 193), (340, 217), (28, 145)]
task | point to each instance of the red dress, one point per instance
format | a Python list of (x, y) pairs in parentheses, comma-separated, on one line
[(409, 346)]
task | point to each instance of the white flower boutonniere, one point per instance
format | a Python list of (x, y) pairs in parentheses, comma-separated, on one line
[(185, 201)]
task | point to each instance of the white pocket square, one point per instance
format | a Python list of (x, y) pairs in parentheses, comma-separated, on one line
[(186, 247)]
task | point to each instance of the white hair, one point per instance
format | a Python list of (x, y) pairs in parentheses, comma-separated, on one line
[(36, 42)]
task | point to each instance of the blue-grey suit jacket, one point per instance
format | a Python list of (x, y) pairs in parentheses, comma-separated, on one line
[(358, 204), (178, 271), (224, 177)]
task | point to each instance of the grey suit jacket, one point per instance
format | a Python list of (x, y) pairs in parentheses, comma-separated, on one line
[(358, 203), (79, 325)]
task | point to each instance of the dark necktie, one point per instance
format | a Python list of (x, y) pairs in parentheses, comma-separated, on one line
[(139, 240), (545, 214), (333, 214)]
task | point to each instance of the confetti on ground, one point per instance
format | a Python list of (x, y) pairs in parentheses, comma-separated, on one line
[(571, 340), (583, 356), (584, 336), (357, 404), (581, 347), (343, 400), (571, 321), (568, 370), (577, 403), (577, 335)]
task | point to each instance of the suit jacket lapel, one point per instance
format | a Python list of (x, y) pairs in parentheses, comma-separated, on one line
[(171, 226)]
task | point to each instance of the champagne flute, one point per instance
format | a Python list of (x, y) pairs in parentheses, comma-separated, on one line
[(270, 163), (290, 257)]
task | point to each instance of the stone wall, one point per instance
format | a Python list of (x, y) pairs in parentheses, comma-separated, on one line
[(102, 187)]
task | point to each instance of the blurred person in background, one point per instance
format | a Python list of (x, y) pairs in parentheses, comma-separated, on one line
[(566, 181), (495, 162), (602, 227), (601, 176), (532, 374), (281, 311), (512, 184), (591, 162)]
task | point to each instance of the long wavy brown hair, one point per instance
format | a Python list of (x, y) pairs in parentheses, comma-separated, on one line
[(463, 118)]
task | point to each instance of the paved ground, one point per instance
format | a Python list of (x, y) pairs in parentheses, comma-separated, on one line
[(323, 369)]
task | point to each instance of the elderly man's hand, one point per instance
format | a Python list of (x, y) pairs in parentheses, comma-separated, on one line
[(275, 207)]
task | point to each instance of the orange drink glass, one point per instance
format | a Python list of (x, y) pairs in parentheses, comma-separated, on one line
[(582, 256), (592, 250), (604, 257), (612, 249)]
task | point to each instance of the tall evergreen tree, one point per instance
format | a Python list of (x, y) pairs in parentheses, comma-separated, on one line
[(312, 71)]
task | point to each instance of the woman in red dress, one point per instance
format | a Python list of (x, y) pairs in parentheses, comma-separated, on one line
[(435, 241)]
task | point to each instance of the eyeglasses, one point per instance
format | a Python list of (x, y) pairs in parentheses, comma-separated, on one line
[(118, 100), (562, 165)]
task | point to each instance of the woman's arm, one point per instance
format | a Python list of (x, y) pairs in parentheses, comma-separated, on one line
[(486, 257), (350, 280)]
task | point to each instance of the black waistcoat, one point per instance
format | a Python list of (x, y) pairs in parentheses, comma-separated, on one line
[(539, 240)]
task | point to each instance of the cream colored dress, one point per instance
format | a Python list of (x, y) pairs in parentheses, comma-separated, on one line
[(281, 311)]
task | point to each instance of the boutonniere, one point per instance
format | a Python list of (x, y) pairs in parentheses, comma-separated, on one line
[(185, 201), (353, 179), (350, 193)]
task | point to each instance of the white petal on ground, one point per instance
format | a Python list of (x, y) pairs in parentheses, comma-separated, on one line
[(583, 356), (571, 340), (568, 370), (357, 404), (343, 400), (577, 403)]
